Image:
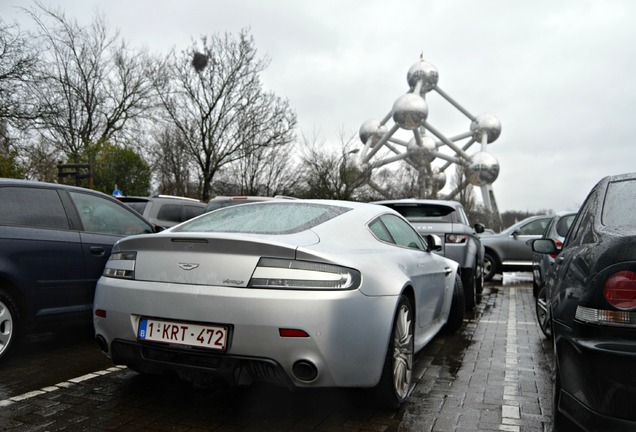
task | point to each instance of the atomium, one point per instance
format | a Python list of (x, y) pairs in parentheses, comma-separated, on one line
[(429, 147)]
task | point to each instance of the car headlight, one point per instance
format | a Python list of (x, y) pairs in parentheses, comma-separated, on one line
[(277, 273), (121, 265)]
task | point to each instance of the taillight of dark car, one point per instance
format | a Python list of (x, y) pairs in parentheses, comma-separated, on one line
[(456, 238), (620, 290)]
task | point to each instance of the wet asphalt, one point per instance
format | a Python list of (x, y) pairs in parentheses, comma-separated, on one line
[(493, 375)]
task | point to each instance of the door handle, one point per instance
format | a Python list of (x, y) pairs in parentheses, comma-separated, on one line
[(97, 250), (448, 270)]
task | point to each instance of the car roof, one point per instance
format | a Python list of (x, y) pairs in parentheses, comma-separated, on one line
[(35, 183), (449, 203)]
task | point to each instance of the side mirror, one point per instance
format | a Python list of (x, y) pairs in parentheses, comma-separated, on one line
[(479, 228), (515, 233), (434, 243), (544, 246)]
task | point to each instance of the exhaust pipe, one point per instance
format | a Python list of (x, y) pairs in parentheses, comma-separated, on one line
[(305, 370)]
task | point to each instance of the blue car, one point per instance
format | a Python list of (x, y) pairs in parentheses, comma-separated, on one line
[(54, 243)]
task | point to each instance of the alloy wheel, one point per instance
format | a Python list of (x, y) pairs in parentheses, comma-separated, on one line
[(543, 315), (403, 352), (6, 327)]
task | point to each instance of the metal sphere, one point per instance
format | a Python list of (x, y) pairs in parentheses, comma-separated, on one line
[(439, 179), (426, 73), (372, 129), (419, 156), (410, 111), (355, 173), (485, 124), (483, 169)]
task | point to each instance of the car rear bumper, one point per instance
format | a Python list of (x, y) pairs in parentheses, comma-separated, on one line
[(597, 377), (347, 342)]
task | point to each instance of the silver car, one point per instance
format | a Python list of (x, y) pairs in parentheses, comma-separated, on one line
[(509, 250), (460, 241), (298, 293)]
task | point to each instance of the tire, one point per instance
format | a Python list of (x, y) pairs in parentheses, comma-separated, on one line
[(9, 328), (491, 266), (396, 381), (479, 269), (456, 314), (543, 313)]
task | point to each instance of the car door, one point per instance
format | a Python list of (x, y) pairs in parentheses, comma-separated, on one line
[(426, 270), (41, 250), (103, 221), (518, 247)]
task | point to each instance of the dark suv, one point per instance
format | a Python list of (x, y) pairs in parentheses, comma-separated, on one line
[(165, 211), (448, 220), (54, 243)]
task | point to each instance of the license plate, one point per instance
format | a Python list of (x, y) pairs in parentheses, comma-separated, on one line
[(183, 333)]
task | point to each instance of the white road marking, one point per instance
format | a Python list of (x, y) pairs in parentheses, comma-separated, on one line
[(58, 386)]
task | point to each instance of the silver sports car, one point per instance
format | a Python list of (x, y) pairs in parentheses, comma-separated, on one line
[(300, 293)]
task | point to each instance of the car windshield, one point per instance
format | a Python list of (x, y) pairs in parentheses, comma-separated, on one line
[(424, 212), (619, 208), (265, 218)]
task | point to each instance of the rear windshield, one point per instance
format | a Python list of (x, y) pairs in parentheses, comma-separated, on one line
[(264, 218), (619, 208), (425, 212), (138, 206)]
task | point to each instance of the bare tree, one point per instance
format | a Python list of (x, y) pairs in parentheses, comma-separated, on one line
[(213, 96), (327, 172), (173, 164), (17, 63), (90, 84)]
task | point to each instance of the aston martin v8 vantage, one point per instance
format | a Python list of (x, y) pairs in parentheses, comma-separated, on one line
[(300, 293)]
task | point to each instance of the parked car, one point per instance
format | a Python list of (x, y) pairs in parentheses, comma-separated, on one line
[(557, 229), (541, 264), (226, 201), (486, 232), (509, 250), (165, 211), (460, 241), (333, 294), (54, 242), (591, 303)]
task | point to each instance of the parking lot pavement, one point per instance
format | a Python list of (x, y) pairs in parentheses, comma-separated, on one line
[(494, 375)]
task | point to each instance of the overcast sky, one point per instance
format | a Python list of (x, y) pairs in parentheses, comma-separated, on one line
[(559, 75)]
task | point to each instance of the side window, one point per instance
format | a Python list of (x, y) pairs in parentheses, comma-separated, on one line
[(564, 225), (379, 230), (402, 232), (536, 227), (581, 230), (99, 215), (170, 212), (32, 207)]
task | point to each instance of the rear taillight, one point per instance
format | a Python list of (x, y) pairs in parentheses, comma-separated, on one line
[(620, 289), (121, 265), (274, 273), (456, 238), (559, 244)]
